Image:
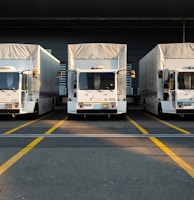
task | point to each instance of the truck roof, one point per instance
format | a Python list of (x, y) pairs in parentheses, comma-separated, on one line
[(87, 55), (175, 50), (18, 51)]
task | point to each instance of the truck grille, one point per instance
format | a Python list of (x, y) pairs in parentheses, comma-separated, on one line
[(8, 111), (185, 111), (100, 111)]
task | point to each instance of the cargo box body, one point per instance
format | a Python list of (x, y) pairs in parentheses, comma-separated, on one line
[(34, 71), (166, 79)]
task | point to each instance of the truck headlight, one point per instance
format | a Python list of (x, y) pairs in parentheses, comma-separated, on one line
[(180, 105), (112, 104), (15, 105)]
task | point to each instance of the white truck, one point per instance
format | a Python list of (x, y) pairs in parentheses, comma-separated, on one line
[(28, 79), (97, 79), (166, 79)]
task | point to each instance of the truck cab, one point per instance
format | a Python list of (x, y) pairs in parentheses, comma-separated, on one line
[(184, 91), (178, 91), (16, 91), (9, 87), (97, 91), (94, 92)]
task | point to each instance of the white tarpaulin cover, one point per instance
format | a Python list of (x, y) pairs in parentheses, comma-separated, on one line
[(170, 56), (18, 51), (177, 50), (90, 55), (29, 57), (162, 53), (17, 55), (97, 51)]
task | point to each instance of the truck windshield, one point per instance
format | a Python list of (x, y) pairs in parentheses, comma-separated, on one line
[(9, 80), (186, 80), (97, 81)]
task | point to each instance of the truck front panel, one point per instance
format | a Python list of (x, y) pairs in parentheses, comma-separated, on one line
[(9, 95), (97, 93), (180, 98), (184, 96)]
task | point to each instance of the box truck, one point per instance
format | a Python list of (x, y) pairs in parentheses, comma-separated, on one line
[(28, 79), (166, 79), (96, 79)]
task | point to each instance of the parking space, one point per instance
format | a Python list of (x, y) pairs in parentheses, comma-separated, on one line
[(97, 158)]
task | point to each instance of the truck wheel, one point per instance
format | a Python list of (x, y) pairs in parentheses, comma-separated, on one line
[(144, 104), (35, 114), (122, 116), (53, 105), (160, 113), (70, 116)]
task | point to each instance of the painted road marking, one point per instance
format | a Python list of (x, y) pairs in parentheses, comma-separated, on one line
[(188, 169), (90, 135), (26, 124), (168, 124), (5, 166)]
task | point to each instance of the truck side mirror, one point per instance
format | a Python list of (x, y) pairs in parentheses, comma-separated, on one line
[(35, 74), (132, 74), (59, 74), (24, 81), (172, 82), (160, 74)]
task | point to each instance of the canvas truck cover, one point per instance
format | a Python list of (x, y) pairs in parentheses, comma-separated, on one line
[(177, 50), (172, 56), (112, 57), (162, 52), (32, 57), (21, 56), (99, 53)]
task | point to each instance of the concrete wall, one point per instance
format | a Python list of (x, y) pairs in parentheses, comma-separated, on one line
[(140, 35)]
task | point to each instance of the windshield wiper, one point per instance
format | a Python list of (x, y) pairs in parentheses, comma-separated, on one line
[(108, 88)]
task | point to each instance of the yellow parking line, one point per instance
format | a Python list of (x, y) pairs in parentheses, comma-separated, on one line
[(188, 169), (168, 124), (174, 157), (5, 166), (26, 124), (141, 129)]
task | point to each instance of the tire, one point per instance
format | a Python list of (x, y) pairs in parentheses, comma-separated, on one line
[(70, 116), (144, 105), (122, 116), (35, 114), (53, 105), (160, 113)]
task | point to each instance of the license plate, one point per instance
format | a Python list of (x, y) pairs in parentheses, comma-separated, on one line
[(87, 104)]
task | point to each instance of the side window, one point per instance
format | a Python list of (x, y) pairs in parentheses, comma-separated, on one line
[(181, 81), (172, 81), (24, 81), (192, 80)]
